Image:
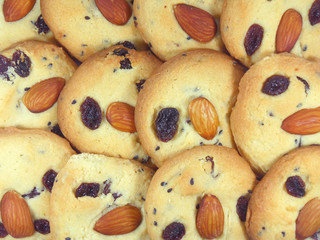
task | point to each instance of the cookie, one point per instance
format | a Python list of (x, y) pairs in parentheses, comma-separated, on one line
[(172, 27), (187, 103), (91, 186), (30, 161), (288, 191), (214, 175), (254, 29), (96, 107), (87, 27), (271, 93), (26, 25), (32, 75)]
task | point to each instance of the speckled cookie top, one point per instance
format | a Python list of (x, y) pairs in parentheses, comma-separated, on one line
[(118, 182), (270, 91)]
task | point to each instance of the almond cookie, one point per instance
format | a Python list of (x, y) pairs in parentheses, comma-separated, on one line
[(172, 27), (285, 204), (254, 29), (96, 107), (30, 161), (98, 197), (187, 103), (20, 21), (276, 108), (86, 27), (201, 185), (32, 75)]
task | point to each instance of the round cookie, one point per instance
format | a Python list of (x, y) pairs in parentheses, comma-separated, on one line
[(83, 30), (91, 186), (254, 29), (166, 37), (179, 186), (96, 107), (30, 160), (31, 26), (23, 68), (284, 191), (204, 79), (271, 91)]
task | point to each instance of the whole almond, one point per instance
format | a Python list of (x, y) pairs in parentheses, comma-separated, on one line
[(15, 215), (288, 31), (121, 116), (119, 221), (115, 11), (303, 122), (204, 117), (197, 23), (14, 10), (308, 221), (210, 217), (43, 95)]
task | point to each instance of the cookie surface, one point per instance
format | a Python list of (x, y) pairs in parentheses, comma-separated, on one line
[(100, 92), (83, 30), (30, 160), (22, 68), (249, 29), (118, 182), (270, 92), (179, 185), (165, 36), (287, 187), (163, 120)]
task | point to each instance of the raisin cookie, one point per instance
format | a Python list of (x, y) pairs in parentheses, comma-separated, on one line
[(24, 25), (285, 204), (253, 29), (96, 107), (86, 27), (29, 160), (177, 26), (189, 186), (275, 109), (187, 103), (32, 75), (94, 192)]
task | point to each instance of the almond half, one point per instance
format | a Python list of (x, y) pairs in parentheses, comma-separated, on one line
[(121, 116), (210, 217), (41, 96), (14, 10), (115, 11), (119, 221), (303, 122), (197, 23), (16, 215), (308, 221), (289, 30), (204, 117)]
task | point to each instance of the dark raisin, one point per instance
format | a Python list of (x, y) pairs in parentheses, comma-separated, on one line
[(154, 211), (174, 231), (106, 188), (34, 192), (163, 184), (48, 179), (86, 17), (5, 63), (41, 25), (116, 195), (74, 102), (88, 189), (169, 190), (306, 84), (139, 84), (191, 181), (120, 52), (295, 186), (314, 13), (166, 124), (242, 206), (90, 113), (22, 63), (275, 85), (126, 44), (283, 234), (253, 39), (56, 130), (42, 226), (3, 231), (157, 148), (67, 238), (125, 64)]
